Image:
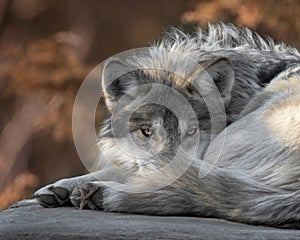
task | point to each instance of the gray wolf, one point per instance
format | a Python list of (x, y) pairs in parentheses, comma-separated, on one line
[(255, 178)]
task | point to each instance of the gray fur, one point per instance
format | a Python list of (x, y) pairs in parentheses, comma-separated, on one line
[(256, 178)]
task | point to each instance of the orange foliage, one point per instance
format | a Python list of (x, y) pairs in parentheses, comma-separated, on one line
[(40, 83), (279, 19)]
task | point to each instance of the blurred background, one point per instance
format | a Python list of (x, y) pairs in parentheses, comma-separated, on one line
[(47, 47)]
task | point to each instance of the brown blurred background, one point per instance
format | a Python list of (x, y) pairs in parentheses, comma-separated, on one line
[(47, 47)]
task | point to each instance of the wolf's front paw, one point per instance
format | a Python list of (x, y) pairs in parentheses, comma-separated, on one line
[(88, 195), (52, 195)]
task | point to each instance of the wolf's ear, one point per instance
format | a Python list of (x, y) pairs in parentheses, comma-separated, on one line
[(116, 80), (221, 73)]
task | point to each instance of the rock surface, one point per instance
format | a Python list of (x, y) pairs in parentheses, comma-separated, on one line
[(28, 220)]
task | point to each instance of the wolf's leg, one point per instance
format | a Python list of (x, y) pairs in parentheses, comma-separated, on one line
[(58, 193), (220, 194)]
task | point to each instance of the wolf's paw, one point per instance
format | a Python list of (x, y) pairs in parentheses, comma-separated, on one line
[(52, 195), (87, 196)]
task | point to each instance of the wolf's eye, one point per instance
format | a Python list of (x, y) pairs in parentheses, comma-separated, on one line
[(147, 131), (192, 131)]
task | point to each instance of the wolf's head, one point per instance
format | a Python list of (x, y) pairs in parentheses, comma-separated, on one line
[(159, 108)]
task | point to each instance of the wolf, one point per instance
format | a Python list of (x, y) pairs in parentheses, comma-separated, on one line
[(253, 179)]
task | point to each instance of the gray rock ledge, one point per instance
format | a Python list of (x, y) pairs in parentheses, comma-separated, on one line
[(28, 220)]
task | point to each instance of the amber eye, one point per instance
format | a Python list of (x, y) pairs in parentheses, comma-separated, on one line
[(147, 131), (192, 131)]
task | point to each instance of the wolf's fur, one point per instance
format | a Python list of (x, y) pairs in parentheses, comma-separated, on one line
[(256, 179)]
